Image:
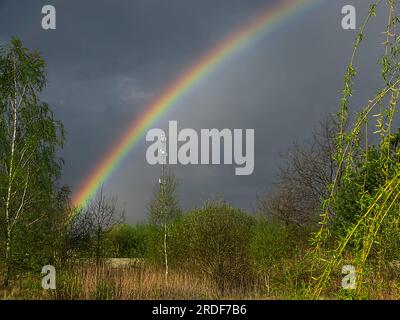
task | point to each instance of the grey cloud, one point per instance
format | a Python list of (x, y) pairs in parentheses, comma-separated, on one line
[(108, 60)]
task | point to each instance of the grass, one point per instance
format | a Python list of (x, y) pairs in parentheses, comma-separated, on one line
[(124, 283), (140, 282)]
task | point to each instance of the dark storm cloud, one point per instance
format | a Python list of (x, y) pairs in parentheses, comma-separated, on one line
[(108, 59)]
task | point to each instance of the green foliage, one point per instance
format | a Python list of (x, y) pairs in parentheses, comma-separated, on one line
[(277, 256), (361, 211), (163, 207), (357, 188), (132, 241), (269, 245), (29, 167), (213, 240)]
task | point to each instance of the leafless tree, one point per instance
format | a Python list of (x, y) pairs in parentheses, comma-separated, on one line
[(101, 215), (302, 184)]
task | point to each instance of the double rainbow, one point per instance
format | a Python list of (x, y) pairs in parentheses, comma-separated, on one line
[(272, 17)]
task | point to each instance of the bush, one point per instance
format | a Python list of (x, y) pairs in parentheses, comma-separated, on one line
[(132, 241), (268, 245), (213, 240), (273, 248)]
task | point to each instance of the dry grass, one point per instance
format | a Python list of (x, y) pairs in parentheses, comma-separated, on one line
[(115, 282), (126, 283), (124, 280)]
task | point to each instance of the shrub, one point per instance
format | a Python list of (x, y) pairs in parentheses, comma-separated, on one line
[(268, 245), (131, 241), (213, 240)]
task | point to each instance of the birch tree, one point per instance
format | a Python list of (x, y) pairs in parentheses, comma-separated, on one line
[(163, 208), (29, 138)]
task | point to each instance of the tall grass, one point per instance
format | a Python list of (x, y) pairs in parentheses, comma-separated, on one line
[(85, 282)]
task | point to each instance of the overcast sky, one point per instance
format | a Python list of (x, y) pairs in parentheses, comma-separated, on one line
[(107, 60)]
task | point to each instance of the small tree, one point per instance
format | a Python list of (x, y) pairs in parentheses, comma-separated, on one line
[(214, 240), (102, 215), (302, 183), (163, 208), (78, 232)]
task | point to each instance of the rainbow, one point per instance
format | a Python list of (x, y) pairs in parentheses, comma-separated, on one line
[(271, 17)]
